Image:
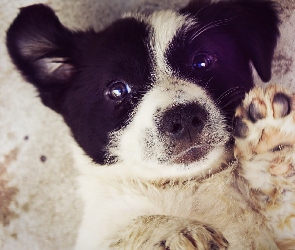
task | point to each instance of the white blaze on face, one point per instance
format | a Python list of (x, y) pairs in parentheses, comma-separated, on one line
[(165, 25)]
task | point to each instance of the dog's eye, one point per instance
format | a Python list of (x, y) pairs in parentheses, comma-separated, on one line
[(201, 61), (117, 90)]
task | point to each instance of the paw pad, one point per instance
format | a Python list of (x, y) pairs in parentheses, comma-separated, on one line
[(241, 129), (281, 105), (257, 110), (258, 105), (264, 123)]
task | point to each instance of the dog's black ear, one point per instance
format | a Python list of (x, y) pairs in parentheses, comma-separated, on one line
[(41, 47), (254, 23)]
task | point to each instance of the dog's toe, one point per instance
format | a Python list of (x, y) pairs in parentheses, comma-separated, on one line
[(257, 110), (241, 129), (281, 105)]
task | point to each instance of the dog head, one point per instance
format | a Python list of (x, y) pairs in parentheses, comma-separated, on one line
[(150, 90)]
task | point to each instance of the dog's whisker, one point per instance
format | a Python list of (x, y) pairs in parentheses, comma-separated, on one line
[(225, 104), (210, 26), (207, 83), (203, 8), (200, 10), (231, 91), (232, 100)]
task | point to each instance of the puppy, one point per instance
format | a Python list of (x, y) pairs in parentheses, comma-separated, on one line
[(149, 99)]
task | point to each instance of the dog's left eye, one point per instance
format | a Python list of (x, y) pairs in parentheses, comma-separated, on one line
[(117, 90), (201, 61)]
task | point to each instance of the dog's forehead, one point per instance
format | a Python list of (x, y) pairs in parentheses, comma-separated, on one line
[(163, 26)]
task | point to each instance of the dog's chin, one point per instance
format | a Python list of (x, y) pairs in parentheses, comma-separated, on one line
[(191, 155)]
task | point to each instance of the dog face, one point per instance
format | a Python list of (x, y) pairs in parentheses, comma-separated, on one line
[(155, 89)]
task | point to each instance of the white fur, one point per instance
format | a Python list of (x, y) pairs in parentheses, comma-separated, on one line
[(165, 25)]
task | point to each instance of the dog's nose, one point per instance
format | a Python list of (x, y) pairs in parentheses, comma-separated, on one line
[(183, 122)]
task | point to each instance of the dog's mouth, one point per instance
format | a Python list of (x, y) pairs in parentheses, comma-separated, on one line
[(191, 155)]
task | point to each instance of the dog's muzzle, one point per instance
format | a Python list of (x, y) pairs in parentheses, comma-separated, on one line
[(181, 128)]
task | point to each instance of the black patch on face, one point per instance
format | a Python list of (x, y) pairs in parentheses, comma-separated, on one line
[(213, 60), (217, 51), (102, 78), (113, 58)]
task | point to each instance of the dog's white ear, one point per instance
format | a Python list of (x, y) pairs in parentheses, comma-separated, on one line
[(254, 23), (41, 47)]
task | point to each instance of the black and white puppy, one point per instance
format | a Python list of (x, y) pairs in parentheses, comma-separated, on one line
[(150, 99)]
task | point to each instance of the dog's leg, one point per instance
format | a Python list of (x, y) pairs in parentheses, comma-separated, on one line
[(265, 145), (167, 232)]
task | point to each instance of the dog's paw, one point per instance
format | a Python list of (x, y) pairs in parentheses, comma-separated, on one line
[(264, 129), (192, 237), (161, 232), (264, 133)]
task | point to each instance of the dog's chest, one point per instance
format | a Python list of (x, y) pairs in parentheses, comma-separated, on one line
[(134, 197)]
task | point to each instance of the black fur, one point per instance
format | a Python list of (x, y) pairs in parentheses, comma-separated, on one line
[(98, 59), (243, 32)]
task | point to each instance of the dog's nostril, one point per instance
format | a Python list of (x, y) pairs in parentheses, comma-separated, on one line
[(176, 128), (198, 124)]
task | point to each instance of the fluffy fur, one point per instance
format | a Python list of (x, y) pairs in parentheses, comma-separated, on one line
[(150, 107)]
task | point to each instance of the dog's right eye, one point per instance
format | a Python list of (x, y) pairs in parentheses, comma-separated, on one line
[(118, 90), (201, 61)]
